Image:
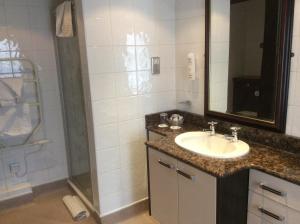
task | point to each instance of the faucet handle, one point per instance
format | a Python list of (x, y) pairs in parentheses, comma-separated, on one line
[(212, 123), (235, 129), (234, 137), (212, 129)]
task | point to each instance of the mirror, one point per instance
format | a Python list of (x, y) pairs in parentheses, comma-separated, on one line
[(248, 50)]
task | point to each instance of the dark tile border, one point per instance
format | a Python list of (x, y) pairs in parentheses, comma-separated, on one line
[(15, 202), (49, 187)]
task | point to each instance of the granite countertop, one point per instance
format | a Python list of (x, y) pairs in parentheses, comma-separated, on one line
[(273, 161)]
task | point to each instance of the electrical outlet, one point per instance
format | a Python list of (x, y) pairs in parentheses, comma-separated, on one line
[(14, 168)]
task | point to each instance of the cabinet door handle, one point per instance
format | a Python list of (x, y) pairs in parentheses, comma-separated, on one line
[(169, 166), (188, 176), (279, 193), (271, 214)]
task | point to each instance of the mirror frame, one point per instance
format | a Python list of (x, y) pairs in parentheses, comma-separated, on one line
[(282, 73)]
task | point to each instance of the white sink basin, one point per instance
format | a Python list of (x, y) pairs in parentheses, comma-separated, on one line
[(212, 146)]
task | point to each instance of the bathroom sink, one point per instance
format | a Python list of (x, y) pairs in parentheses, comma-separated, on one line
[(216, 146)]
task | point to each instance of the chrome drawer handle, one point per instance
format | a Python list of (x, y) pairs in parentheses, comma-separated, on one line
[(279, 193), (188, 176), (271, 214), (169, 166)]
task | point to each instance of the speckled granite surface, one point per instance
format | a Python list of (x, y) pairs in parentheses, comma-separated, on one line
[(273, 160)]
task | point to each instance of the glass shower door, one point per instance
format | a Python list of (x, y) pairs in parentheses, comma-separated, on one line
[(75, 115)]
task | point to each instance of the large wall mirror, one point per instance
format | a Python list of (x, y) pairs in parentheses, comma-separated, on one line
[(248, 51)]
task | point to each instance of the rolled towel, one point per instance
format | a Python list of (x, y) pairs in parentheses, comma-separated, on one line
[(76, 207)]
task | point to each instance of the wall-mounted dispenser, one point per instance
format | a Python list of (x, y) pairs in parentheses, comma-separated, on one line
[(191, 68)]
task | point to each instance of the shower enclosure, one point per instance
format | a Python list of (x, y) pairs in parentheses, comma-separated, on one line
[(78, 132)]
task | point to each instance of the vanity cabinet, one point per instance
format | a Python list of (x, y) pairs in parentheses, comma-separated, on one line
[(196, 196), (164, 187), (182, 194), (272, 200)]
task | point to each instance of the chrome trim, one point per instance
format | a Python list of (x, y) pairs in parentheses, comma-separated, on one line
[(169, 166), (272, 190), (271, 214), (188, 176)]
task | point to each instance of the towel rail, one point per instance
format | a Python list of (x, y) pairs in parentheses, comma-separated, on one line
[(30, 144), (35, 80)]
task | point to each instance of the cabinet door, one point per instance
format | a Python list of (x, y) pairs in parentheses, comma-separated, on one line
[(253, 219), (197, 196), (163, 187)]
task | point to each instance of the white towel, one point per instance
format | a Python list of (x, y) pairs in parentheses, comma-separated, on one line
[(11, 90), (64, 23), (76, 207), (15, 121)]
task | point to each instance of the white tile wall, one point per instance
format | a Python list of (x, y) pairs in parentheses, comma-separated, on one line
[(293, 121), (25, 32), (121, 37)]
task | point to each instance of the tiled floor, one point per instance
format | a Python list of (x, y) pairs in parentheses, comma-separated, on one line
[(49, 209)]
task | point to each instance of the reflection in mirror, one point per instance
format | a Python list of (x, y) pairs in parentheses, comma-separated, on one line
[(243, 52)]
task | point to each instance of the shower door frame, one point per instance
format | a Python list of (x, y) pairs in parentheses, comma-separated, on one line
[(94, 205)]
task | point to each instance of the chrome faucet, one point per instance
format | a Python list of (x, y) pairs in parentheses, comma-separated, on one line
[(212, 128), (234, 136)]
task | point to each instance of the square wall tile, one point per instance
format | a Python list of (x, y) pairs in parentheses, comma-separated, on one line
[(19, 39), (189, 8), (45, 59), (126, 84), (44, 15), (129, 108), (133, 176), (130, 131), (100, 59), (145, 29), (15, 2), (165, 31), (133, 153), (98, 31), (103, 86), (95, 9), (17, 15), (164, 9), (125, 59), (148, 104), (106, 136), (105, 112), (145, 82), (111, 182), (38, 177), (190, 30), (122, 20), (108, 160)]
